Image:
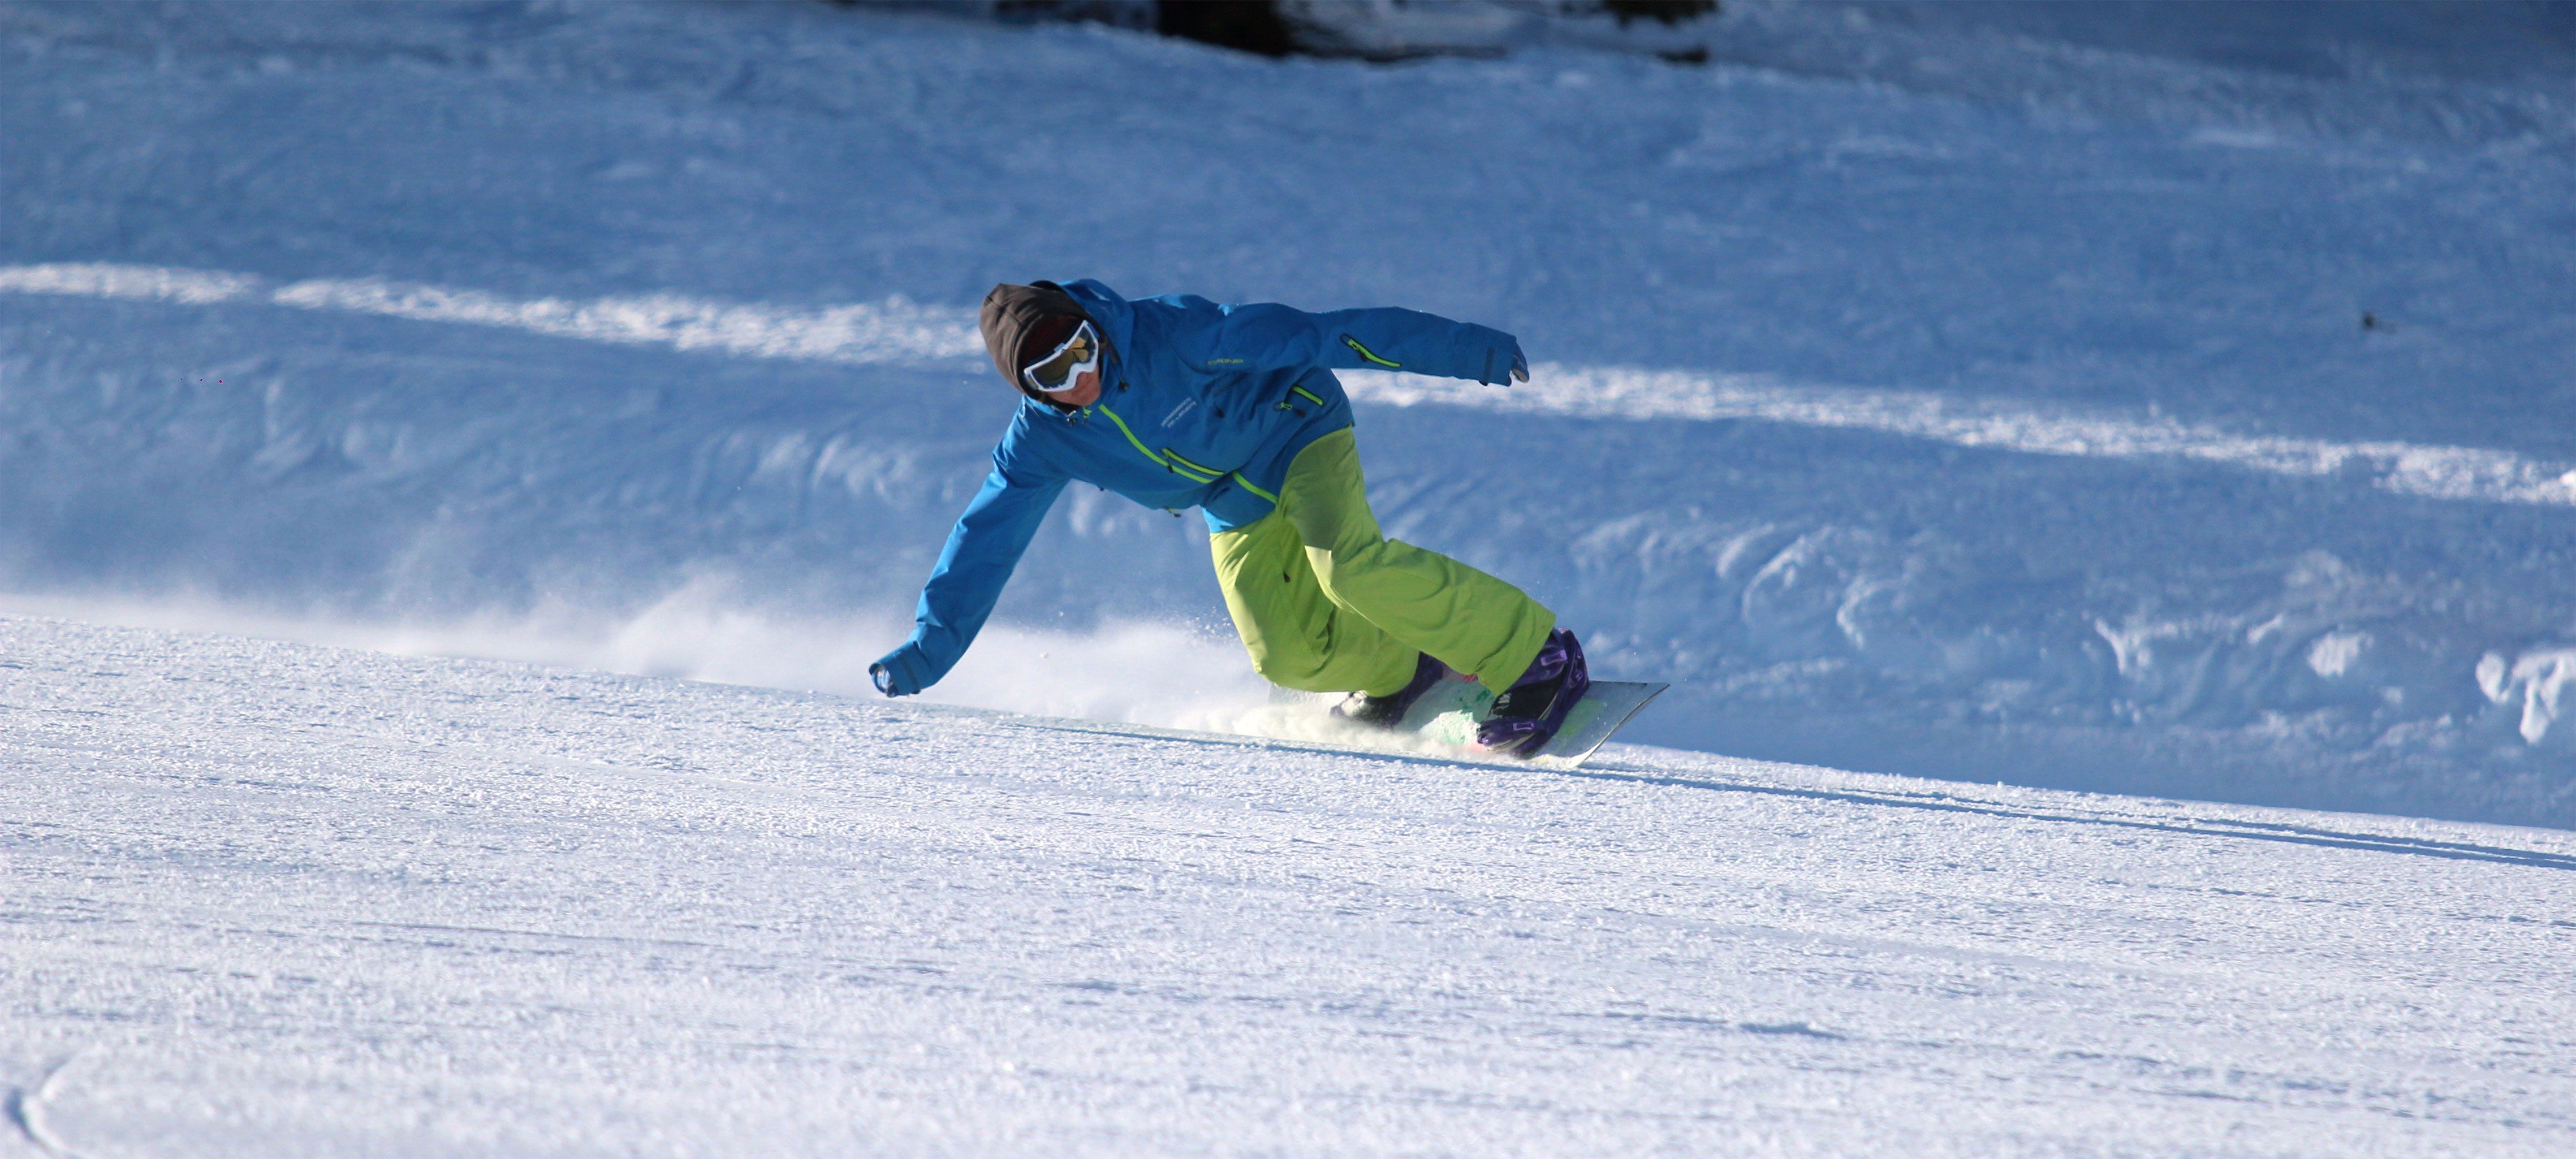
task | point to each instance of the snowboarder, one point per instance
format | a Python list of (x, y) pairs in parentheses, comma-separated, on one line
[(1178, 402)]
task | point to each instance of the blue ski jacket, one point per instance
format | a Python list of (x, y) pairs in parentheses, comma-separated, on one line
[(1201, 405)]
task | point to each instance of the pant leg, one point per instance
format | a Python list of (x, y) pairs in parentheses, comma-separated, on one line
[(1463, 617), (1297, 636)]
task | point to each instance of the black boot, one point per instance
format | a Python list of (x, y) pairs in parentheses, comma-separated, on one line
[(1388, 711)]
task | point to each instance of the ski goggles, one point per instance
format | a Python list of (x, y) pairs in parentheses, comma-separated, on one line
[(1058, 371)]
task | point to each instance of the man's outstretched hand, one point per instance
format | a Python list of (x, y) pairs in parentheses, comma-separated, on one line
[(899, 673)]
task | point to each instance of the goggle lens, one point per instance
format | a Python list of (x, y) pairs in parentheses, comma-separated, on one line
[(1060, 370)]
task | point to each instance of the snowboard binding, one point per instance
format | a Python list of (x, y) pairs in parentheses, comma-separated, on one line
[(1526, 715)]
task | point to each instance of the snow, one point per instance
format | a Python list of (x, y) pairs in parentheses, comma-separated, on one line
[(1973, 393), (282, 899), (461, 459), (895, 331)]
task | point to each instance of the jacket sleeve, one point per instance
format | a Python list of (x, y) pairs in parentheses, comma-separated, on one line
[(1268, 336), (982, 550)]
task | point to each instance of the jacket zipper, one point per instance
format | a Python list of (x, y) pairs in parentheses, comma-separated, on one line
[(1171, 460), (1298, 392)]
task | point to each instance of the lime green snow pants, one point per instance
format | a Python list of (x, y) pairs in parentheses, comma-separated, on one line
[(1326, 603)]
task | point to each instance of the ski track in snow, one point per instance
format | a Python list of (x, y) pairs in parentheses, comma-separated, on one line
[(26, 1108), (891, 332), (898, 332), (283, 899)]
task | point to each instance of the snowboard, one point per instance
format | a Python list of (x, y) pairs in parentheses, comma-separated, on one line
[(1448, 714)]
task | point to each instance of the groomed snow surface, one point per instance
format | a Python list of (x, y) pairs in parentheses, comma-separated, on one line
[(1972, 392), (275, 899), (397, 402)]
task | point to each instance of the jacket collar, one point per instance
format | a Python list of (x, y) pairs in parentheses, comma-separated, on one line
[(1115, 317)]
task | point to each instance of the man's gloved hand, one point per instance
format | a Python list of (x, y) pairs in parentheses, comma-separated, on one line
[(900, 672), (1520, 364)]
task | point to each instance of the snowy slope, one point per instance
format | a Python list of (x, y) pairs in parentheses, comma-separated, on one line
[(284, 900), (1980, 396)]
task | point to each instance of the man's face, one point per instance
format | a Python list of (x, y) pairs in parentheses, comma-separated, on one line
[(1086, 389), (1069, 373)]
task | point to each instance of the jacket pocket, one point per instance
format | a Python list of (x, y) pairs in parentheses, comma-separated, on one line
[(1194, 472), (1299, 392)]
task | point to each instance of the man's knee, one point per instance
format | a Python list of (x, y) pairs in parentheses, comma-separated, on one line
[(1348, 564), (1298, 668)]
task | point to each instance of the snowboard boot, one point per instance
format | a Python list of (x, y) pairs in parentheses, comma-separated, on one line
[(1527, 714), (1388, 711)]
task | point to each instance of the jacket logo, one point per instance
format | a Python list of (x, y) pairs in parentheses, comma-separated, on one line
[(1186, 405), (1225, 362)]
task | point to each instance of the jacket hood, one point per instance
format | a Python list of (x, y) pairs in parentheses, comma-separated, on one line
[(1115, 317)]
